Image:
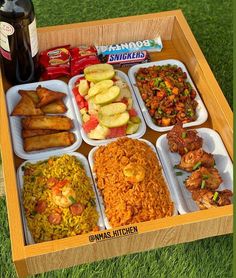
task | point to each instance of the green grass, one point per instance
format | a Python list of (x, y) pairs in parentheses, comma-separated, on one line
[(211, 23)]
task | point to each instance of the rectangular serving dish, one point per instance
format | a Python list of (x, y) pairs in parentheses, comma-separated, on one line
[(12, 98), (142, 127), (174, 197), (213, 144), (200, 111), (20, 173), (178, 43)]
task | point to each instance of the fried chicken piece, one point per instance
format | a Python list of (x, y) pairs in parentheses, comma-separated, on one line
[(208, 178), (194, 159), (206, 198), (182, 141)]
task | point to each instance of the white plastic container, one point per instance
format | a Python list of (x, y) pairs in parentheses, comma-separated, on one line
[(213, 144), (142, 127), (13, 97), (100, 198), (20, 182), (200, 111)]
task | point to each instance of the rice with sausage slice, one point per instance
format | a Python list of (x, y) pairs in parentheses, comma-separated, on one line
[(130, 179), (58, 199)]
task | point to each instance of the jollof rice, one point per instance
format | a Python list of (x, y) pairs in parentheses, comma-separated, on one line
[(130, 179)]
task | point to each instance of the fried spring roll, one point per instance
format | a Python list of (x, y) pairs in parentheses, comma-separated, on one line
[(61, 139), (47, 122), (57, 107), (35, 132)]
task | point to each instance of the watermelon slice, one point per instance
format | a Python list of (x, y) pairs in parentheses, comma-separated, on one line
[(132, 112), (115, 132), (90, 124)]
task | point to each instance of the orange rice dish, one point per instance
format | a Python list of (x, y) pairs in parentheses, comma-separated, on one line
[(130, 180)]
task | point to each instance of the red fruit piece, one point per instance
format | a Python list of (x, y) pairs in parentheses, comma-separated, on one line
[(117, 132), (90, 124), (132, 112)]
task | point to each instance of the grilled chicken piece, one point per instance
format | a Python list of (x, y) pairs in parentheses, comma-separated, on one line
[(205, 198), (182, 141), (208, 178), (194, 159)]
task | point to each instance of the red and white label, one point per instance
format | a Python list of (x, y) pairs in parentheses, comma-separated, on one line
[(6, 30)]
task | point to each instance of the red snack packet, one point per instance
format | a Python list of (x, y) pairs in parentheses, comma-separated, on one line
[(82, 57), (55, 62)]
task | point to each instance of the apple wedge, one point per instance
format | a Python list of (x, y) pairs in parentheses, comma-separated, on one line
[(114, 120), (107, 96), (99, 87), (99, 72), (132, 128), (113, 108)]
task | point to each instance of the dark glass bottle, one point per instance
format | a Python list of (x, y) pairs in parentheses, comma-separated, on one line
[(18, 41)]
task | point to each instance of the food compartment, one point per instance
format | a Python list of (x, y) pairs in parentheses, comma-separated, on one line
[(173, 197), (134, 105), (60, 203), (212, 144), (201, 112), (13, 97)]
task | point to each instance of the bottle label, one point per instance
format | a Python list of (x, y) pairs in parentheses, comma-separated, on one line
[(6, 30), (33, 38)]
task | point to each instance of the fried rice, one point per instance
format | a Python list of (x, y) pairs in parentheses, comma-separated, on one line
[(58, 199), (130, 180)]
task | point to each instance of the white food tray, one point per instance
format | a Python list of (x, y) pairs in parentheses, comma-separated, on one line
[(200, 110), (212, 143), (142, 127), (100, 198), (13, 97), (20, 173)]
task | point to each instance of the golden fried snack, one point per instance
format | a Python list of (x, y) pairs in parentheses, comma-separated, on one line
[(26, 107), (35, 132), (56, 107), (61, 139), (32, 94), (47, 96), (47, 122)]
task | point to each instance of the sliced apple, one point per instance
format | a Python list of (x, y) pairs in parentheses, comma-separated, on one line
[(100, 87), (83, 87), (107, 96), (99, 72), (135, 120), (100, 132), (132, 128), (113, 108), (114, 120)]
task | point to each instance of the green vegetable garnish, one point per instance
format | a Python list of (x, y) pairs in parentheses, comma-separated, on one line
[(23, 168), (185, 149), (203, 184), (32, 178), (33, 213), (215, 196), (73, 201), (197, 165), (159, 111), (176, 166), (178, 173), (184, 135), (205, 177)]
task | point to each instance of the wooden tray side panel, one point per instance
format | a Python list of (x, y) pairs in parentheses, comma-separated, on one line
[(13, 206), (105, 32), (213, 224), (190, 53)]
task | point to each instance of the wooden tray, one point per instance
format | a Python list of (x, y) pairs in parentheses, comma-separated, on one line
[(179, 43)]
